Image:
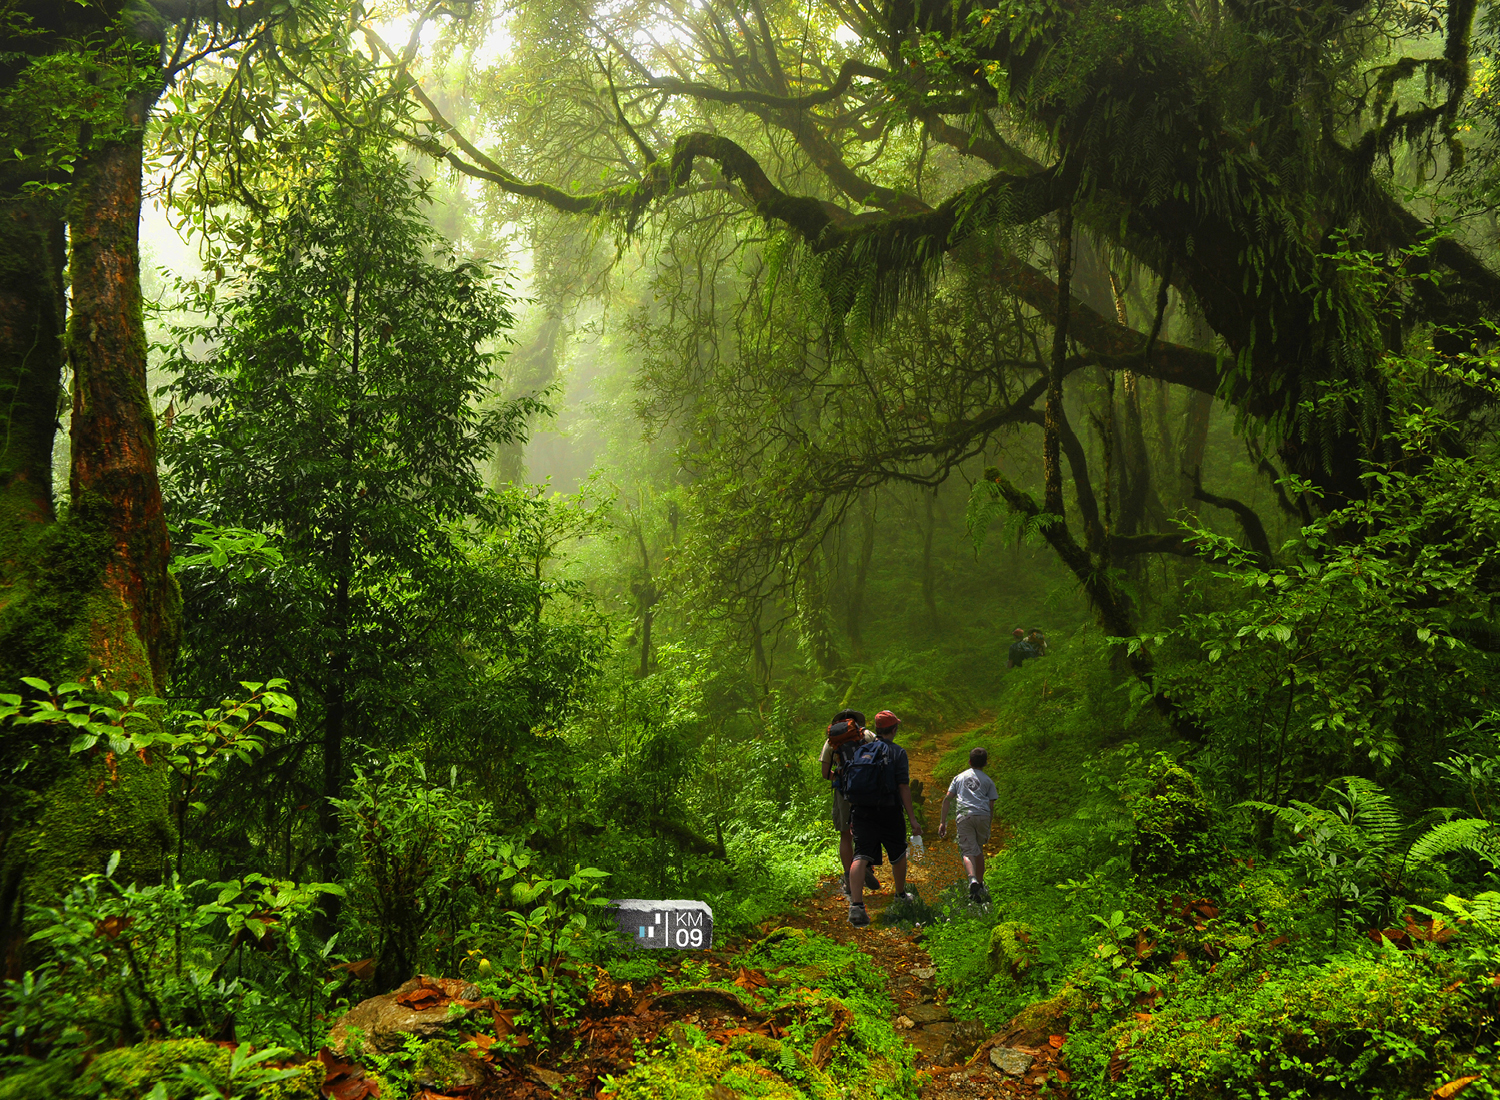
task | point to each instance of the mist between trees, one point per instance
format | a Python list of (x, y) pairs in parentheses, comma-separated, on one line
[(549, 415)]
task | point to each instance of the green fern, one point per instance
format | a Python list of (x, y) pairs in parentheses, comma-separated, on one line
[(1464, 834), (1482, 909), (1299, 816), (1369, 812)]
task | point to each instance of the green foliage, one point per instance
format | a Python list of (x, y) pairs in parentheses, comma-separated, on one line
[(193, 745), (137, 1072), (124, 961), (337, 414), (59, 105), (815, 985), (1358, 650), (1011, 952), (1068, 778), (1355, 1025), (426, 869), (247, 1075), (1173, 828), (434, 887)]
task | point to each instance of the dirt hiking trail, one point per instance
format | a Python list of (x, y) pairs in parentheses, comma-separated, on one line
[(953, 1058)]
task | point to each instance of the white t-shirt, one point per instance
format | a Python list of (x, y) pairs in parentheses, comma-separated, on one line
[(974, 791)]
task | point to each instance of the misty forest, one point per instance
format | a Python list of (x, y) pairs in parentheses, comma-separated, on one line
[(463, 461)]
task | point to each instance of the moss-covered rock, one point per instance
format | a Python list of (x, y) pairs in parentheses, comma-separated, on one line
[(1034, 1023), (1012, 950), (306, 1084), (1171, 826), (443, 1067), (129, 1073), (694, 1073)]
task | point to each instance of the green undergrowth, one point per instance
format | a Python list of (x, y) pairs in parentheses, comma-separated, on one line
[(1133, 912), (816, 988), (770, 871), (1061, 743), (171, 1069)]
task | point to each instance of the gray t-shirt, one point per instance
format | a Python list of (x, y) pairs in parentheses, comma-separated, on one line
[(974, 791)]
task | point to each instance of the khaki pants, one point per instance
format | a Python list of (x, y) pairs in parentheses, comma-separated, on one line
[(972, 833), (841, 810)]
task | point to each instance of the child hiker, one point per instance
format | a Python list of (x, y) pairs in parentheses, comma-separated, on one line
[(974, 794)]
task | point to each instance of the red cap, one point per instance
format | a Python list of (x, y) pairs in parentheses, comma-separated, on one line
[(885, 720), (1018, 632)]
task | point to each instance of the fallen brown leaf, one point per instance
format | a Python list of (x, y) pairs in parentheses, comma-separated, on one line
[(345, 1080), (1117, 1067), (1452, 1088), (111, 927), (362, 971), (420, 1000), (751, 980)]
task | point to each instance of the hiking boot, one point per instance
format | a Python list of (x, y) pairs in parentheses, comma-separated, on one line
[(984, 894), (871, 882), (857, 915), (906, 895), (976, 891)]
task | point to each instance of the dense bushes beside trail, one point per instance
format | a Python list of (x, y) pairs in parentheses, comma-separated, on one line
[(1260, 965)]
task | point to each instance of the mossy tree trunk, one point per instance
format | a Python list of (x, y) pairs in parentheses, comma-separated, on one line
[(113, 478), (86, 596)]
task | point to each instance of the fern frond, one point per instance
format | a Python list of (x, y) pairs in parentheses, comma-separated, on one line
[(1485, 907), (1296, 817), (1463, 834), (1372, 814)]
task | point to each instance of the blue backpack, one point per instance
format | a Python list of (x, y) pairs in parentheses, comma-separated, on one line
[(870, 774)]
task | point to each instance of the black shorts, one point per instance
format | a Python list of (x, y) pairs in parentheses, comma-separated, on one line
[(877, 827)]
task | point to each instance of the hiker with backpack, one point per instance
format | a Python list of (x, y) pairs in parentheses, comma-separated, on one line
[(845, 734), (1020, 650), (877, 783), (973, 794)]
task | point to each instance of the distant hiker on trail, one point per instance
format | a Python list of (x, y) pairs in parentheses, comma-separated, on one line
[(877, 783), (1020, 650), (845, 734), (974, 794), (1037, 642)]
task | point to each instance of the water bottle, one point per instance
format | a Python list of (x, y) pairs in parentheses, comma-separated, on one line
[(917, 849)]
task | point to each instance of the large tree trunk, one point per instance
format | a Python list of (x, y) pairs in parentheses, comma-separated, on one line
[(89, 597), (114, 483)]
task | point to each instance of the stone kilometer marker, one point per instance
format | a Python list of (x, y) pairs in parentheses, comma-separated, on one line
[(677, 925)]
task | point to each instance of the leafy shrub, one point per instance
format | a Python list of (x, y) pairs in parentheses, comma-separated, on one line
[(1361, 1024), (433, 885), (123, 961)]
